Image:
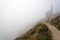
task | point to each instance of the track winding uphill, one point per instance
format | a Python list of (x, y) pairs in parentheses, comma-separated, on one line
[(55, 32)]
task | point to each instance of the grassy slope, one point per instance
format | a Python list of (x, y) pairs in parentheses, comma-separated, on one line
[(40, 32)]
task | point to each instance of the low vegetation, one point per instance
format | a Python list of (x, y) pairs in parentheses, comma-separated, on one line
[(56, 22), (40, 32)]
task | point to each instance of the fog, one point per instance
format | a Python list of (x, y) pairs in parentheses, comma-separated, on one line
[(18, 16)]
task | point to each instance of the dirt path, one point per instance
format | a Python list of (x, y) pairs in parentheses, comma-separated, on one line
[(55, 32)]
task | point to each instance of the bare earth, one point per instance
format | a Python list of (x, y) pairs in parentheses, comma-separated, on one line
[(55, 32)]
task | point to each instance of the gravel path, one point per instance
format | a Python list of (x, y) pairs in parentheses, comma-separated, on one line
[(55, 32)]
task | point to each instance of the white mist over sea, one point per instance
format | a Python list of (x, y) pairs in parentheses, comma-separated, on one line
[(18, 16)]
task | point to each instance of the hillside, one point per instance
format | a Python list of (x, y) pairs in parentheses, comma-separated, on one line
[(39, 32)]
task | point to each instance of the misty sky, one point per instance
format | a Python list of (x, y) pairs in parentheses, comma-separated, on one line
[(17, 16)]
